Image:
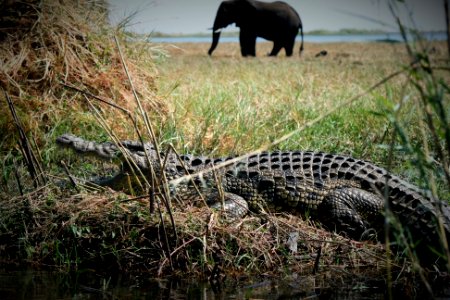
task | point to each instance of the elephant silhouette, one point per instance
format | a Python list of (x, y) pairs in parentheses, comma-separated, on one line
[(274, 21)]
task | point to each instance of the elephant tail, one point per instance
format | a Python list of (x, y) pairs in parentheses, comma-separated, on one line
[(301, 33)]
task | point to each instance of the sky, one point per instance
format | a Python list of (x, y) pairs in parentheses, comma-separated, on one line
[(197, 16)]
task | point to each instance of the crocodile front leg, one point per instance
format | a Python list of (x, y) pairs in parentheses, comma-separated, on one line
[(233, 205), (353, 211)]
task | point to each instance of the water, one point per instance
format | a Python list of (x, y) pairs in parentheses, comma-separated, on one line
[(90, 285), (390, 37)]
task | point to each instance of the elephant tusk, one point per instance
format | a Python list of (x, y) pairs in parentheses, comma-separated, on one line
[(218, 30)]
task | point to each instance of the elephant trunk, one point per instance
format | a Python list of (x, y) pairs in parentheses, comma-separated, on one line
[(215, 41), (221, 21)]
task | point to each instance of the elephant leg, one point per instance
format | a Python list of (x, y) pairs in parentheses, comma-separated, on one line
[(248, 43), (289, 47), (288, 43), (276, 48)]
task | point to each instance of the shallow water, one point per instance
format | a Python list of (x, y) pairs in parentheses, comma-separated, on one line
[(89, 285)]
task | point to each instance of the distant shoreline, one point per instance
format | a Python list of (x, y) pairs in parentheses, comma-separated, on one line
[(341, 32), (387, 37)]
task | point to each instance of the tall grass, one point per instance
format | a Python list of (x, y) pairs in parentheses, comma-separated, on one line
[(224, 105)]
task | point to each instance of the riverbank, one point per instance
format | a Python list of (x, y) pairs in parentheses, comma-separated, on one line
[(338, 98)]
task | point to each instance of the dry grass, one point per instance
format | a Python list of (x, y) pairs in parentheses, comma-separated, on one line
[(107, 231), (61, 43)]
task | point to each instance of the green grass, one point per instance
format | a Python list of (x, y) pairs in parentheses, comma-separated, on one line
[(225, 104)]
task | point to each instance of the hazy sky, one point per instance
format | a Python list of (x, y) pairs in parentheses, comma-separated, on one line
[(196, 16)]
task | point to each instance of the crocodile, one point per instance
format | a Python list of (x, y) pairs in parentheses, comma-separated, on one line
[(345, 194)]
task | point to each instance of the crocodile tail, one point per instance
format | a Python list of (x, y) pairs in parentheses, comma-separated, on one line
[(426, 219)]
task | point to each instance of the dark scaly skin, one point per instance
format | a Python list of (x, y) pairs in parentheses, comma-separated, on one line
[(343, 193)]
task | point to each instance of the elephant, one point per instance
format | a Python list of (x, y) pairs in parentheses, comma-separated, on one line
[(274, 21)]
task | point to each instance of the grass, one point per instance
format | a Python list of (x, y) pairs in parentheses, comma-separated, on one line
[(213, 106), (229, 105)]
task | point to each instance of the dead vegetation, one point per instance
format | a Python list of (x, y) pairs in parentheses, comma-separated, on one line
[(47, 46), (108, 231)]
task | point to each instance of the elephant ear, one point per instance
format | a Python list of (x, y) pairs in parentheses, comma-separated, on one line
[(222, 16), (243, 11)]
